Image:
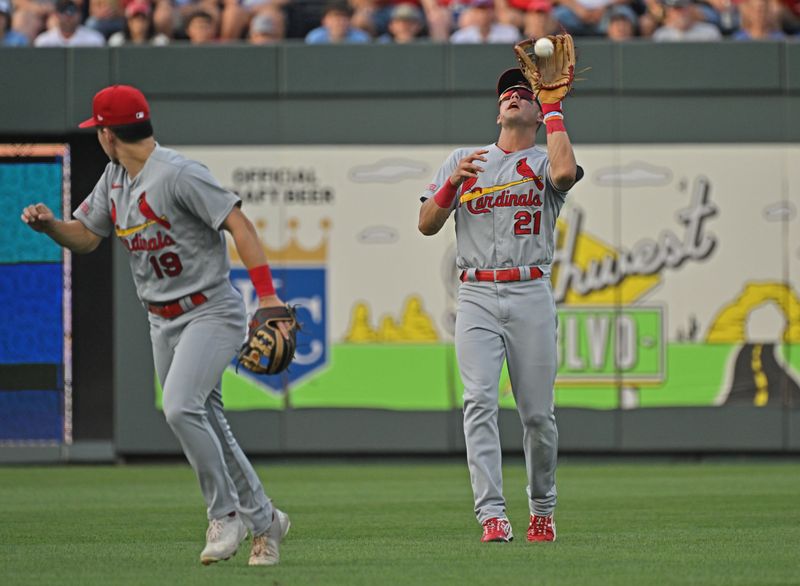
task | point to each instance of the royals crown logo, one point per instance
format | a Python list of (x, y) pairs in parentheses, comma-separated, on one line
[(293, 252)]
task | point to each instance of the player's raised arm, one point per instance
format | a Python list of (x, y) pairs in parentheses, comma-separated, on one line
[(71, 234), (563, 168), (435, 210), (551, 77)]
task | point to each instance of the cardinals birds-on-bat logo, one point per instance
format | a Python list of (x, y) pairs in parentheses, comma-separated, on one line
[(149, 214), (468, 184), (525, 170)]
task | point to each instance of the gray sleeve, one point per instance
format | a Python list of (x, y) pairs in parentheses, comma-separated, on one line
[(94, 212), (443, 174), (200, 193)]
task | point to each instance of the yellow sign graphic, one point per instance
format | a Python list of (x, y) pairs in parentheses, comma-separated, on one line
[(414, 326), (729, 326), (589, 253), (293, 252)]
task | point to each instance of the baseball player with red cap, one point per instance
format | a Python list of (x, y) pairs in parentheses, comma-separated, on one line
[(506, 197), (169, 211)]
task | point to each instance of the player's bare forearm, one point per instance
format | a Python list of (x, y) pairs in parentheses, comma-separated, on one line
[(432, 217), (563, 168), (245, 238), (71, 234), (250, 249)]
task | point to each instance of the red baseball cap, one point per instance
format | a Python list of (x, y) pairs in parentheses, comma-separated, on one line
[(117, 105), (539, 6), (137, 7)]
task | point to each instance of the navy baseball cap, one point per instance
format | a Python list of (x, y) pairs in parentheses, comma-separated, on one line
[(511, 78), (514, 78)]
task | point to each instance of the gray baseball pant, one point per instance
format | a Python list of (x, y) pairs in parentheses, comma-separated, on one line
[(191, 352), (515, 321)]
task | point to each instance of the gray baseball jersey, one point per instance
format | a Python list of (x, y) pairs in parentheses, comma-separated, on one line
[(507, 217), (169, 218)]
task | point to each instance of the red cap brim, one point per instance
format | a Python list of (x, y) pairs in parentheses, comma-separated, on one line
[(88, 123)]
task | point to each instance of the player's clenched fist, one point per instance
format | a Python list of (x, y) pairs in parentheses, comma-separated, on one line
[(37, 216), (467, 168)]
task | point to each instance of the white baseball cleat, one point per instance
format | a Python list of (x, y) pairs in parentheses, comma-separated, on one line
[(222, 539), (266, 547)]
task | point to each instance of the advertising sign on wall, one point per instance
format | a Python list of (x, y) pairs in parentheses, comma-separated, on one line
[(676, 276)]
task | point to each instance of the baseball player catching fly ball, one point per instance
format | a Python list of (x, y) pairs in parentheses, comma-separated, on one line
[(169, 211), (506, 197)]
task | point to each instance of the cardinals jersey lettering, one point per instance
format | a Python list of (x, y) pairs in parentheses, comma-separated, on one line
[(169, 218), (507, 216)]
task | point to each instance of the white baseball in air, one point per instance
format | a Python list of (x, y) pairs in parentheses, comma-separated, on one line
[(543, 48)]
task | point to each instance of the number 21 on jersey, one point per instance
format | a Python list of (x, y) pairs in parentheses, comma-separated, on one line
[(522, 226)]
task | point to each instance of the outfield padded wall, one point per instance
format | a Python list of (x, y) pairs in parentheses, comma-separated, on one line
[(430, 94)]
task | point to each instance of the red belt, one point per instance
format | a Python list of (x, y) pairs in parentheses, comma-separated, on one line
[(512, 274), (172, 309)]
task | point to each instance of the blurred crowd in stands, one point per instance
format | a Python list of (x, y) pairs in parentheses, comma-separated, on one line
[(90, 23)]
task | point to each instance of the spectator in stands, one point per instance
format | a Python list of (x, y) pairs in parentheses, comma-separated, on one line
[(201, 28), (8, 36), (163, 17), (43, 9), (405, 25), (760, 21), (266, 28), (27, 22), (139, 27), (538, 20), (69, 31), (582, 17), (721, 13), (106, 16), (620, 23), (478, 25), (181, 11), (441, 16), (790, 16), (336, 27), (682, 23), (374, 16)]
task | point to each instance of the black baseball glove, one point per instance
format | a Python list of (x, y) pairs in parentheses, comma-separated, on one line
[(266, 351)]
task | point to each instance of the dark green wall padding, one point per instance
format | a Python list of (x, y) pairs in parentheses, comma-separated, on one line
[(425, 94)]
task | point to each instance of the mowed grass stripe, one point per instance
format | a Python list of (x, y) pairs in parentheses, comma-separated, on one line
[(409, 523)]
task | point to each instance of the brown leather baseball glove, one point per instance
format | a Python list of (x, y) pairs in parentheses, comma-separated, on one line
[(551, 78), (266, 351)]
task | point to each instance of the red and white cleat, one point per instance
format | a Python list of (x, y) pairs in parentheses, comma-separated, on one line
[(497, 529), (542, 528)]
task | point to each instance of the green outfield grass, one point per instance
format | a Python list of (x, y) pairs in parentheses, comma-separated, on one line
[(409, 523)]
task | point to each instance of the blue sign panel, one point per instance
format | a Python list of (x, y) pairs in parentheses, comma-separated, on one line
[(306, 288)]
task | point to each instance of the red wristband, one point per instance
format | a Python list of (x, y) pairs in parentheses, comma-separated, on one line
[(553, 118), (555, 125), (262, 281), (444, 197)]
